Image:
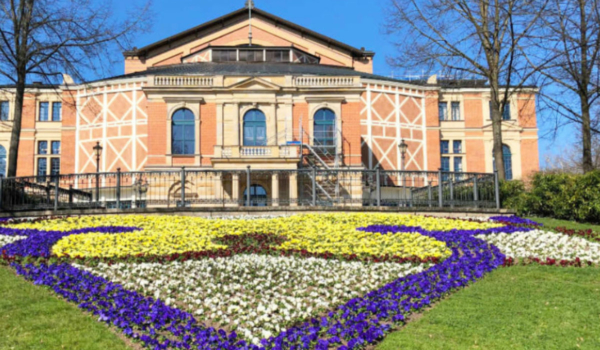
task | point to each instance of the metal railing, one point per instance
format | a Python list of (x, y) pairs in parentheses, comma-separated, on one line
[(228, 188)]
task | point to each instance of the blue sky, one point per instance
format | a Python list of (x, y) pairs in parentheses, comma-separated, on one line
[(356, 22)]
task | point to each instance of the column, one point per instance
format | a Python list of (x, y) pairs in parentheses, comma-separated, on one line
[(218, 187), (275, 189), (235, 189), (294, 190)]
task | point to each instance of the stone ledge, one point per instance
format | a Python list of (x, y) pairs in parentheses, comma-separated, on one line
[(212, 212)]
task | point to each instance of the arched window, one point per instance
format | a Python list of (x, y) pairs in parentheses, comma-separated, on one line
[(324, 128), (507, 158), (258, 196), (255, 128), (2, 161), (183, 132)]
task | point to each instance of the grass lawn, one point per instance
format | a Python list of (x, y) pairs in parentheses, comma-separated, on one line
[(551, 223), (32, 317), (521, 307)]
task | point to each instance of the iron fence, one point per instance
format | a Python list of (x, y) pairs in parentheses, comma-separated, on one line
[(308, 187)]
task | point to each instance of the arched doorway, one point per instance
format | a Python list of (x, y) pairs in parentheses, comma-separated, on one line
[(258, 196)]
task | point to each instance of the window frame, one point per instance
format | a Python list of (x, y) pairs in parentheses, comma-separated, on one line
[(52, 143), (455, 107), (444, 106), (329, 141), (255, 125), (54, 104), (184, 124), (2, 110), (47, 114), (39, 148)]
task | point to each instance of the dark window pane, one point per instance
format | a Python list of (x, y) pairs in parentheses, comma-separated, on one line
[(42, 169), (4, 110), (43, 111), (458, 164), (457, 146), (2, 161), (506, 113), (43, 147), (183, 134), (456, 111), (507, 157), (278, 55), (443, 110), (56, 111), (445, 163), (55, 147), (445, 147), (55, 166)]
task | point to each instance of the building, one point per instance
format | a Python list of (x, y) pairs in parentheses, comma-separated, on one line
[(208, 99)]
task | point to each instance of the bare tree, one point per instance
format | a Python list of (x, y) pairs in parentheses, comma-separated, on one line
[(481, 38), (571, 37), (45, 38)]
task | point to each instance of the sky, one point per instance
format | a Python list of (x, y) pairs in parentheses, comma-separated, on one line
[(355, 22)]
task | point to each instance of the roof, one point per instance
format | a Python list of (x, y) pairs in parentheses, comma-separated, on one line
[(31, 86), (236, 17), (255, 69)]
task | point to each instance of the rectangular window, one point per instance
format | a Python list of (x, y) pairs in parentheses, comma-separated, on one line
[(456, 111), (224, 55), (458, 164), (43, 147), (443, 110), (42, 168), (505, 114), (445, 163), (457, 147), (4, 109), (251, 55), (56, 111), (55, 147), (278, 55), (445, 147), (43, 113), (54, 167)]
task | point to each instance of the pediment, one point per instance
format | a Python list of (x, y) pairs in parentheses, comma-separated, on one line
[(512, 125), (254, 84)]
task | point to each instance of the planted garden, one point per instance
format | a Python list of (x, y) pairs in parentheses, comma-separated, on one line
[(322, 281)]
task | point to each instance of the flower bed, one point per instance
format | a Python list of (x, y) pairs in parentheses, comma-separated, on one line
[(299, 282)]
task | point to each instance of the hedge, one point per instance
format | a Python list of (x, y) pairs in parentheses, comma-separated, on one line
[(561, 196)]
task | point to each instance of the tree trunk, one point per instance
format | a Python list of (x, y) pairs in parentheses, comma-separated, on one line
[(586, 134), (496, 115), (15, 136)]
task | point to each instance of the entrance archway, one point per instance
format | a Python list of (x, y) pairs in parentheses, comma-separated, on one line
[(258, 196)]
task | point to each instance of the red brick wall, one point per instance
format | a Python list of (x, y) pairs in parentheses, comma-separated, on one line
[(157, 132), (68, 137), (208, 131), (351, 133)]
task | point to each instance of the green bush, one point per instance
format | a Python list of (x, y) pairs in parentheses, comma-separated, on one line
[(561, 196)]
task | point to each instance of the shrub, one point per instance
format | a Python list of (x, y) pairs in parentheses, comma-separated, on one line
[(561, 196)]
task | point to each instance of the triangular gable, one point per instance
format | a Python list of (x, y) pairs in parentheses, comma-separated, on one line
[(254, 84), (262, 21)]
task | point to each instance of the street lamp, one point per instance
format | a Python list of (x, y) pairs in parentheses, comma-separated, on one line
[(98, 151), (140, 187), (403, 149)]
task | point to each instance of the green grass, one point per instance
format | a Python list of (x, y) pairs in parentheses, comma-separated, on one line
[(521, 307), (551, 223), (32, 317)]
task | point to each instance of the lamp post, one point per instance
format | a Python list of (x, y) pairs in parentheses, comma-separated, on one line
[(98, 151), (140, 187), (403, 149)]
